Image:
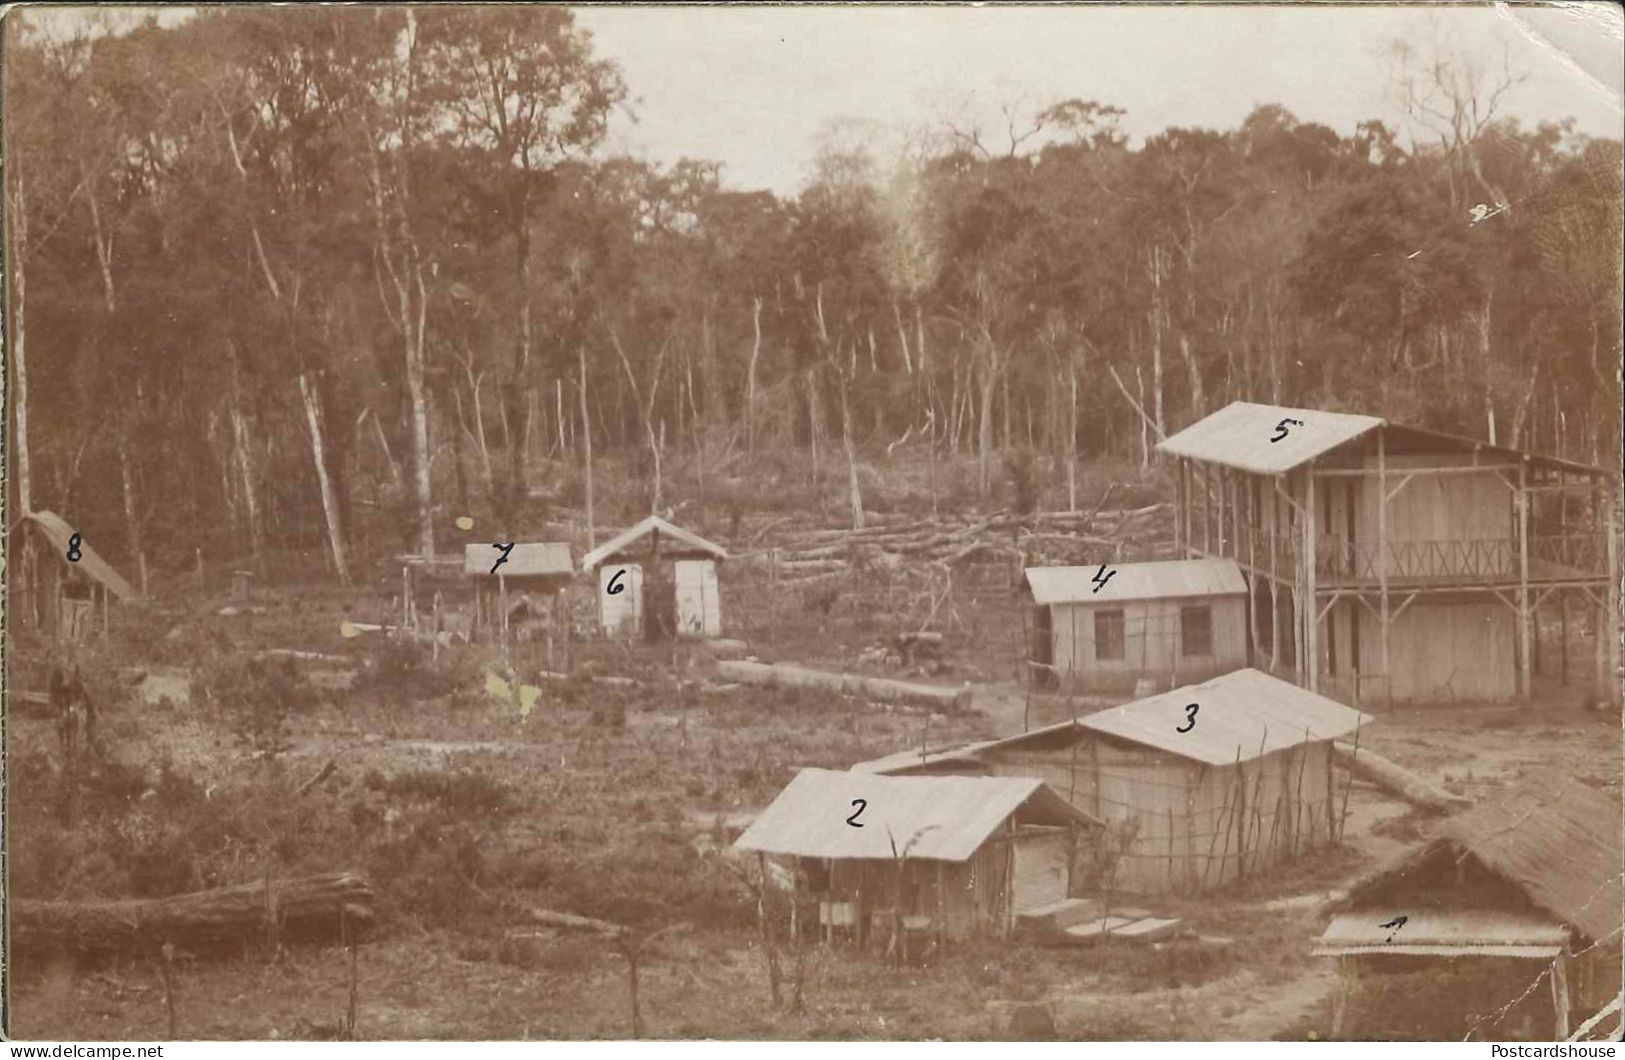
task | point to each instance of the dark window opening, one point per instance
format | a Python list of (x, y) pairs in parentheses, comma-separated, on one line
[(1196, 630), (1109, 635)]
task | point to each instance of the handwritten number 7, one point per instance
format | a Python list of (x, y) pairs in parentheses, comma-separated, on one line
[(861, 806), (504, 549), (1190, 715)]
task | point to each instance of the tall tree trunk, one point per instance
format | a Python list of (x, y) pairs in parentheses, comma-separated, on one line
[(984, 434), (518, 410), (313, 419), (243, 452), (854, 489), (1157, 269), (750, 377), (19, 349), (1198, 397), (586, 443), (1072, 440)]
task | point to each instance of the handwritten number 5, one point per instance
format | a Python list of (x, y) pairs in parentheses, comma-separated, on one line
[(1281, 428), (1190, 715), (861, 806), (615, 585)]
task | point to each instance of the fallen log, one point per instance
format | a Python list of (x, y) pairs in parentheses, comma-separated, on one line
[(1397, 779), (307, 909), (875, 688)]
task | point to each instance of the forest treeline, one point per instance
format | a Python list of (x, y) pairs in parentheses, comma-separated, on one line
[(266, 261)]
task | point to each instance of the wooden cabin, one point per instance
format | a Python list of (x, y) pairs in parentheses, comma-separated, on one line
[(61, 597), (1120, 627), (1511, 925), (979, 850), (657, 580), (1240, 784), (1398, 562), (523, 595)]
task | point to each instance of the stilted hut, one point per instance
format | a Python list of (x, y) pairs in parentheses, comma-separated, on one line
[(520, 592), (1400, 562), (1116, 627), (1505, 926), (658, 580), (946, 856), (62, 597), (1241, 783)]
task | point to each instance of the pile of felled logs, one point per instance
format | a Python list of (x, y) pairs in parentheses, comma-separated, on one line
[(800, 558)]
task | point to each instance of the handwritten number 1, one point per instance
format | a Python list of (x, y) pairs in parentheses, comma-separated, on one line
[(1190, 715), (73, 548), (861, 806)]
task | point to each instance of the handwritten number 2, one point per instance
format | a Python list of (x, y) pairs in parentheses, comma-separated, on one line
[(615, 585), (73, 548), (1190, 715), (861, 806)]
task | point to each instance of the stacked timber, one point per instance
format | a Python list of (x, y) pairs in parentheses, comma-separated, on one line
[(808, 557)]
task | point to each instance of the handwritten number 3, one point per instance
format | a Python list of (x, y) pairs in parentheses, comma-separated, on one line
[(73, 549), (1190, 715), (861, 806), (615, 585)]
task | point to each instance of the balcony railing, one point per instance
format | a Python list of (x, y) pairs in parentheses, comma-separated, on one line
[(1496, 558)]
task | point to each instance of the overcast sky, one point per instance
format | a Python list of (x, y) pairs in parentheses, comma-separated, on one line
[(751, 87)]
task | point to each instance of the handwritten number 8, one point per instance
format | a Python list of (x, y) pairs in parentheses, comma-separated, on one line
[(73, 549), (615, 585)]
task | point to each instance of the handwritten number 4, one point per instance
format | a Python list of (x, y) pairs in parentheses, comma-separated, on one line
[(1190, 718), (73, 548), (1281, 428), (1102, 576), (861, 806)]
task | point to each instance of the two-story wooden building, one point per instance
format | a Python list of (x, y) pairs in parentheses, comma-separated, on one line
[(1398, 562)]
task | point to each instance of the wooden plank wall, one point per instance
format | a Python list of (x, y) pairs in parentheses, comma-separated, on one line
[(1151, 643)]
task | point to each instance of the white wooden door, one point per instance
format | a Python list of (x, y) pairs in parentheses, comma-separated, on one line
[(699, 611), (620, 598)]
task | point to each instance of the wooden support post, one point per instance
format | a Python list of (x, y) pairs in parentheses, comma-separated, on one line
[(1311, 619), (1347, 983), (1382, 559), (1525, 626), (1179, 507), (1560, 996), (1275, 586), (1207, 509), (1235, 515), (1611, 596)]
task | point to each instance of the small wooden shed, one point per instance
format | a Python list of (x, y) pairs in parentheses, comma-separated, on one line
[(523, 591), (979, 849), (1110, 628), (1243, 782), (57, 595), (658, 580), (1511, 924)]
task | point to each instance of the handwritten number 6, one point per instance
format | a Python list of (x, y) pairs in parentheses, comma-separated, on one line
[(73, 548), (615, 585), (1190, 714), (861, 806)]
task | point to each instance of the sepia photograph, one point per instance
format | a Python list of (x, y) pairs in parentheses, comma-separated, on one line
[(876, 523)]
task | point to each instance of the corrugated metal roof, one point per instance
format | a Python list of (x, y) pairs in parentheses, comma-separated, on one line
[(1245, 712), (946, 818), (89, 563), (1552, 836), (526, 558), (688, 540), (1239, 434), (1136, 581), (1433, 927)]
